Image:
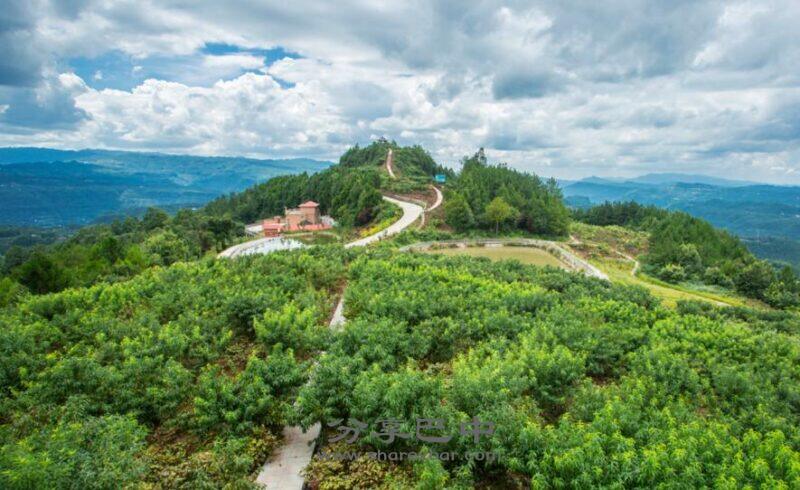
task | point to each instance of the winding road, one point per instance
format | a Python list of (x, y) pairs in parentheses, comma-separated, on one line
[(411, 212), (438, 201)]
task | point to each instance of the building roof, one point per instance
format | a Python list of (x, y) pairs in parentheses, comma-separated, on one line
[(272, 226), (309, 204)]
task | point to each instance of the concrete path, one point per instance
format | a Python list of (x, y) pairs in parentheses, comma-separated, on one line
[(438, 201), (411, 212), (284, 470), (338, 315)]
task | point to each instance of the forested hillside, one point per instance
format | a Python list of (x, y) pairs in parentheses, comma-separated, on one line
[(495, 197), (744, 208), (684, 248), (413, 166), (758, 213), (351, 195)]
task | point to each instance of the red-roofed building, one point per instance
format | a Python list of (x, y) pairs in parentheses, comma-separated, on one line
[(304, 214), (305, 217)]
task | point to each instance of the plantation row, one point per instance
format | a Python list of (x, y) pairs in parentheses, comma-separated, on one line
[(183, 376), (588, 384)]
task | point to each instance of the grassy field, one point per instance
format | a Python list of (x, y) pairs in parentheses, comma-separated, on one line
[(526, 255), (619, 270), (602, 246)]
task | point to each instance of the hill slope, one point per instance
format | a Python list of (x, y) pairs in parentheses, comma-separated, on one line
[(747, 210), (755, 212)]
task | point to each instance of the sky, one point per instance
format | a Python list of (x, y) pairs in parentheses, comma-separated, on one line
[(564, 88)]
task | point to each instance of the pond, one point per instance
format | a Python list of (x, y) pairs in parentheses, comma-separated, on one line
[(267, 245)]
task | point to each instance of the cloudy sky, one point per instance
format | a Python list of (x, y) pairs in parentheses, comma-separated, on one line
[(562, 88)]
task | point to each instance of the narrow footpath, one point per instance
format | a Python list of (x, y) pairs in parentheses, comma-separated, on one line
[(389, 161), (284, 470)]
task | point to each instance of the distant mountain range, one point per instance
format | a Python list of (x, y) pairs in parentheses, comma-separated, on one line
[(665, 178), (46, 187)]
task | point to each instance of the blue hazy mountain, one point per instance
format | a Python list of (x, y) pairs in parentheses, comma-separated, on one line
[(46, 187), (675, 178)]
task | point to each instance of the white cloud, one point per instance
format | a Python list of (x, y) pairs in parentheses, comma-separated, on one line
[(233, 62), (568, 89)]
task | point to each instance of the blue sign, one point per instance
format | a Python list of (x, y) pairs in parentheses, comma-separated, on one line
[(440, 178)]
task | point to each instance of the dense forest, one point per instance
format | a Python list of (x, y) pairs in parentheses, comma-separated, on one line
[(495, 197), (684, 248), (351, 195), (628, 214)]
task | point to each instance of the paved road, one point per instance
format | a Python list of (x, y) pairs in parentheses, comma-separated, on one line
[(411, 212)]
